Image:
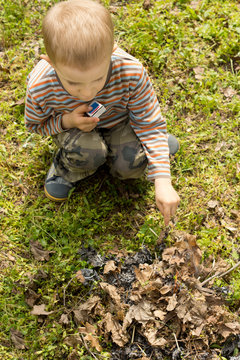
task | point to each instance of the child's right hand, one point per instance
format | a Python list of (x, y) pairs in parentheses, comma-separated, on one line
[(78, 119)]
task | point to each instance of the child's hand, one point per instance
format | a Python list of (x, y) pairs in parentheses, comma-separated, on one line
[(78, 119), (167, 199)]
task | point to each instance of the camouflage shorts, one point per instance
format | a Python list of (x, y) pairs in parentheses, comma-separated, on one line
[(81, 153)]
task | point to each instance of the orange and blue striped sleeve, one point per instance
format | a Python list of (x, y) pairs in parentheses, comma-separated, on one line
[(39, 121), (149, 126)]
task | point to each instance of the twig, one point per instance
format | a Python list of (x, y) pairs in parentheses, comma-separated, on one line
[(65, 288), (176, 340), (210, 272), (142, 350), (133, 334), (218, 275), (44, 231), (153, 232)]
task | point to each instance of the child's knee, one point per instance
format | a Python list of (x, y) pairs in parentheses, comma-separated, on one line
[(85, 151), (86, 158), (129, 164)]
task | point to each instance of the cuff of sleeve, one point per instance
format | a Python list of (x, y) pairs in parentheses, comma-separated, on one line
[(152, 178), (59, 127)]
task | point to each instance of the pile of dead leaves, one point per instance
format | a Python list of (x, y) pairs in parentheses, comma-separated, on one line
[(162, 301), (152, 308)]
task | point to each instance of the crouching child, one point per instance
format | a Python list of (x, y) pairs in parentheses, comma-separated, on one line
[(84, 70)]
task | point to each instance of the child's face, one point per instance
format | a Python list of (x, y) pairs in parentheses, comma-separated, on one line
[(83, 84)]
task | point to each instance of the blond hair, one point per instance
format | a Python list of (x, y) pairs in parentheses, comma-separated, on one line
[(78, 33)]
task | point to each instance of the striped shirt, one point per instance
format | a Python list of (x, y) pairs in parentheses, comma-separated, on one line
[(128, 94)]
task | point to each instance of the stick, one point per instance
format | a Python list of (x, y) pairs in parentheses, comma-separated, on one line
[(153, 232), (142, 350), (218, 275), (176, 340), (45, 231), (133, 334), (65, 288)]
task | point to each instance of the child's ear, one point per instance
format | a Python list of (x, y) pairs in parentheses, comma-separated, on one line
[(46, 57)]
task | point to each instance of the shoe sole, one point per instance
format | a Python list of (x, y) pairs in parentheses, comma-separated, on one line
[(52, 197)]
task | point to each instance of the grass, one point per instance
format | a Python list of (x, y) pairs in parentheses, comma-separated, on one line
[(192, 52)]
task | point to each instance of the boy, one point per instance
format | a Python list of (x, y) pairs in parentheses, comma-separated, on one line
[(83, 64)]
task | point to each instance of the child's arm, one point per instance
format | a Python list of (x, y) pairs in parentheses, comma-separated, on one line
[(150, 127), (45, 121)]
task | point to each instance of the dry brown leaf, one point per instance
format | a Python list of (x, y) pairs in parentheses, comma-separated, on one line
[(80, 277), (147, 4), (73, 355), (141, 312), (94, 342), (152, 337), (198, 330), (90, 335), (194, 309), (229, 92), (87, 329), (38, 252), (17, 339), (172, 302), (109, 267), (199, 71), (64, 319), (31, 297), (166, 289), (195, 4), (229, 329), (144, 272), (228, 226), (212, 204), (112, 326), (172, 255), (113, 293), (159, 314), (182, 311), (73, 340), (91, 329), (40, 310), (82, 313), (195, 252)]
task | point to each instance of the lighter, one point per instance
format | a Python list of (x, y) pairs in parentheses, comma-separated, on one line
[(97, 109)]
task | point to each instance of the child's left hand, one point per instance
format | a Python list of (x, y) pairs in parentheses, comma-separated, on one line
[(167, 199)]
